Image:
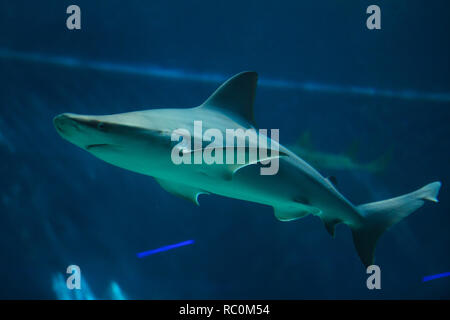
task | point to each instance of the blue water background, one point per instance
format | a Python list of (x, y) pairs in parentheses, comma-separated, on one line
[(61, 206)]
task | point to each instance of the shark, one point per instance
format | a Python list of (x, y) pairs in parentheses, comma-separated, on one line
[(141, 141), (337, 161)]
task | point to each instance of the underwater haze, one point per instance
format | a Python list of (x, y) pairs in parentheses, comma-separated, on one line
[(331, 86)]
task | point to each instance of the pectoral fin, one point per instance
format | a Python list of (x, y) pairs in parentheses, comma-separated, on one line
[(226, 171), (181, 190), (268, 154)]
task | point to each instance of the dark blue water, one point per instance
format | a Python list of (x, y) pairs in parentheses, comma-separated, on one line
[(61, 206)]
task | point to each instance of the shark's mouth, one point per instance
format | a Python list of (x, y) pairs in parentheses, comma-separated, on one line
[(99, 145)]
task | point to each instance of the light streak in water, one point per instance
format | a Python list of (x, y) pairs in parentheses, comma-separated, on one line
[(165, 248), (436, 276), (216, 78)]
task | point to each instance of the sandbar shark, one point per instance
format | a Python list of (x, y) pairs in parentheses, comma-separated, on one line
[(141, 141)]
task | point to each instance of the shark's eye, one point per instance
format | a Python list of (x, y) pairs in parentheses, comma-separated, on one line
[(101, 126)]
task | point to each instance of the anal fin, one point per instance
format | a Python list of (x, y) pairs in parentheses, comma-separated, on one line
[(181, 190), (330, 224)]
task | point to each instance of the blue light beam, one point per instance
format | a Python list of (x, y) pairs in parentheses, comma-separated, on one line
[(217, 78), (436, 276), (165, 248)]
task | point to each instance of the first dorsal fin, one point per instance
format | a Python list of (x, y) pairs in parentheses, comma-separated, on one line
[(236, 95)]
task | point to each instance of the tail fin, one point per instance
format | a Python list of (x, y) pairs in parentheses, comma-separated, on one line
[(380, 215)]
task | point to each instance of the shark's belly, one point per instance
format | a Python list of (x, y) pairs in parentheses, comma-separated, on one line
[(291, 186), (295, 184), (249, 185)]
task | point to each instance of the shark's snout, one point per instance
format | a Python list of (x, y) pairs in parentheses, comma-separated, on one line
[(86, 132), (65, 124)]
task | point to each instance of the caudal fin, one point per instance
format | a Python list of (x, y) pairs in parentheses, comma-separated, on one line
[(380, 215)]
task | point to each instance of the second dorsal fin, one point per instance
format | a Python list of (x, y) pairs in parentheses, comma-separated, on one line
[(235, 96)]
